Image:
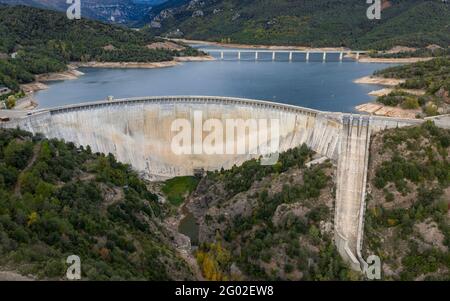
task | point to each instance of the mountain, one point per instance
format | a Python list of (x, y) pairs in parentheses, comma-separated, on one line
[(415, 23), (129, 12)]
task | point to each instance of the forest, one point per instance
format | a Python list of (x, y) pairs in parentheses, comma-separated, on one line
[(58, 200), (409, 192), (46, 41), (270, 240), (318, 23)]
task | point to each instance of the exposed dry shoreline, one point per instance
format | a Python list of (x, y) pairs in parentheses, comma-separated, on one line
[(72, 73), (408, 60), (144, 65), (374, 80), (379, 109), (386, 91), (383, 110), (271, 47)]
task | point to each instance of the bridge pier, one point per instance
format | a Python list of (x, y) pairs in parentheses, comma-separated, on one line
[(357, 53)]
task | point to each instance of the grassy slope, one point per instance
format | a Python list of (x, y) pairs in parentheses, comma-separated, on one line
[(57, 200), (177, 189)]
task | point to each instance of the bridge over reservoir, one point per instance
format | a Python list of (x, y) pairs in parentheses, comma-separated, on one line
[(238, 54), (140, 132)]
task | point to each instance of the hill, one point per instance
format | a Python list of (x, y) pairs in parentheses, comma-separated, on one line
[(407, 218), (431, 76), (45, 41), (316, 23), (268, 222), (128, 12), (276, 222), (254, 222), (58, 200)]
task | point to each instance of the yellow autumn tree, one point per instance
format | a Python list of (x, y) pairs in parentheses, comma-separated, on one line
[(32, 218)]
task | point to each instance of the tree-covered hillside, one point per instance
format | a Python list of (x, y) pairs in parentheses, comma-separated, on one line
[(432, 76), (268, 222), (129, 12), (58, 200), (414, 23), (45, 41), (407, 219)]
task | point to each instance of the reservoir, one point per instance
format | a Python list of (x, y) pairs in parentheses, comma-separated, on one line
[(325, 86)]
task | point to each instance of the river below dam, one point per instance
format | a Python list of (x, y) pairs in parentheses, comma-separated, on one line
[(325, 86)]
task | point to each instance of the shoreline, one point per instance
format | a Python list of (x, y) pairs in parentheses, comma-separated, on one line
[(378, 109), (249, 46), (29, 103), (386, 91), (382, 81), (72, 73), (363, 58), (408, 60)]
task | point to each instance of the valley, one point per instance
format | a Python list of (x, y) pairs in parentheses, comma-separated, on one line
[(220, 140)]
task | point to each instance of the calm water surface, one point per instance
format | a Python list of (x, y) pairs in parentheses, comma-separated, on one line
[(324, 86)]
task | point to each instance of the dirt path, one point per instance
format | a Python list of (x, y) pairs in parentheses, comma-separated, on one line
[(36, 151), (13, 276)]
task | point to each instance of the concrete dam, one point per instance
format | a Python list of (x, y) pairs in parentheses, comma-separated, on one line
[(140, 132)]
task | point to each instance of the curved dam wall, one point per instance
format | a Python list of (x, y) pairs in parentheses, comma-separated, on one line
[(139, 131)]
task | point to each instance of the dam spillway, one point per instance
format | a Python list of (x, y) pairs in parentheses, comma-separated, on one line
[(140, 132)]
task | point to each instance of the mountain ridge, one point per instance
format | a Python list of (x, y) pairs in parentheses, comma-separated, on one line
[(127, 12), (306, 23)]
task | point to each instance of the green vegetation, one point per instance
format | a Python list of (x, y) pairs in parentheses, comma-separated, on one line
[(421, 52), (431, 76), (318, 23), (395, 98), (58, 200), (417, 164), (46, 41), (177, 189), (415, 175), (272, 240), (240, 178)]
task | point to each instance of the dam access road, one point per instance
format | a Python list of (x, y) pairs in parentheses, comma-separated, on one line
[(138, 131)]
